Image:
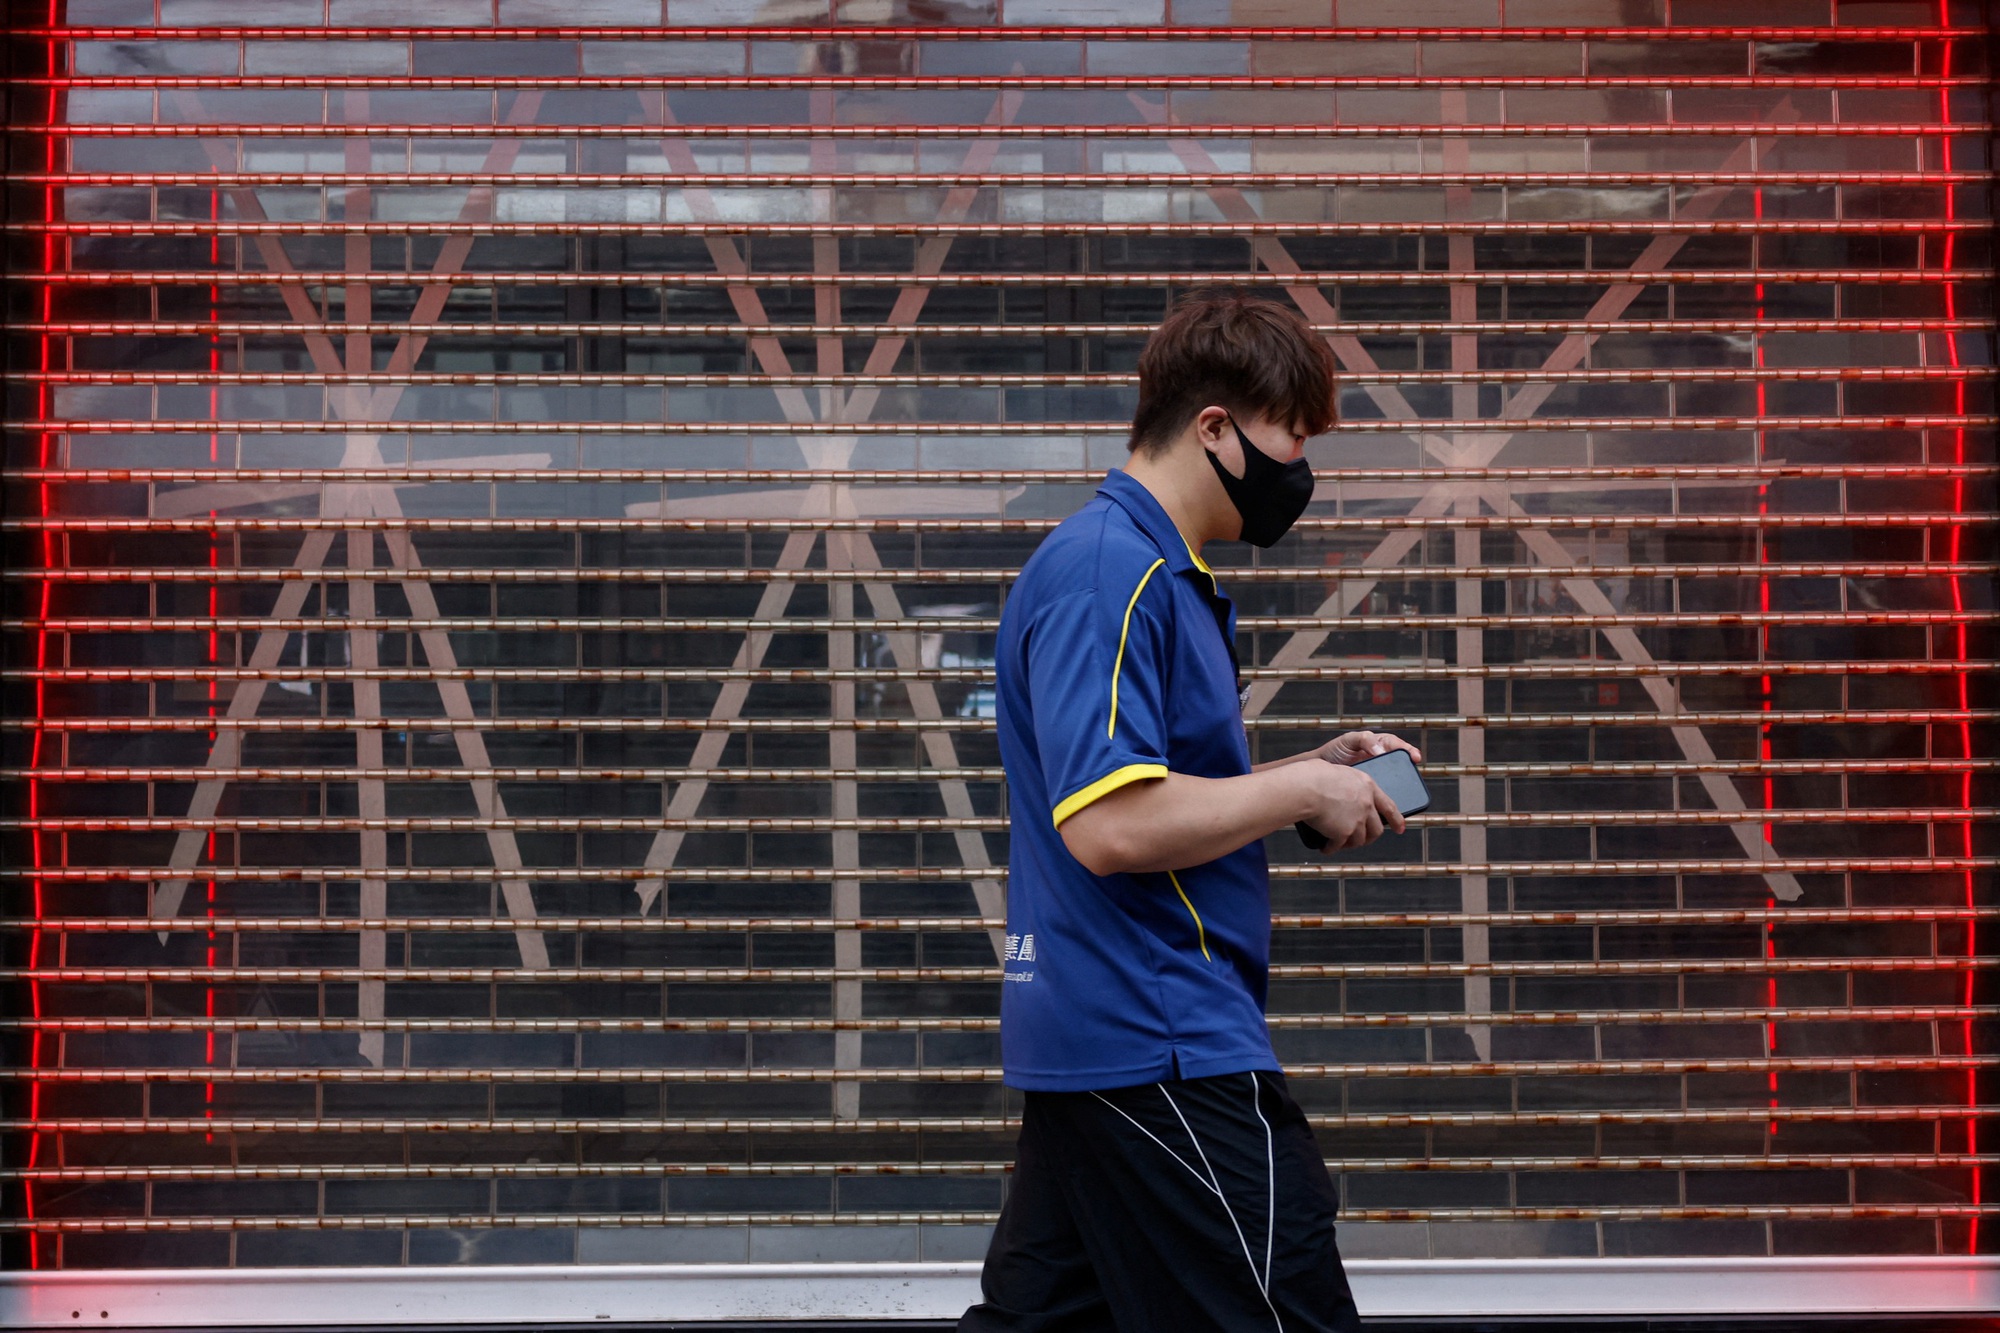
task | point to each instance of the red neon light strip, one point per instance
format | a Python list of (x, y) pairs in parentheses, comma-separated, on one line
[(1010, 32), (1043, 130), (44, 442), (1016, 82), (1954, 544), (214, 636), (1046, 180), (1764, 684)]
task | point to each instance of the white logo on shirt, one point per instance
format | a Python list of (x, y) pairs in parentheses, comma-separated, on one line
[(1021, 948)]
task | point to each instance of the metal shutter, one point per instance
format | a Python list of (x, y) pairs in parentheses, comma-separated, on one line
[(508, 503)]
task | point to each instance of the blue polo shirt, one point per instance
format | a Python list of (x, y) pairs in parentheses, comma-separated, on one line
[(1117, 663)]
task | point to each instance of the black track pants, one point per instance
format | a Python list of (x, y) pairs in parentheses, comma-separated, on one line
[(1168, 1208)]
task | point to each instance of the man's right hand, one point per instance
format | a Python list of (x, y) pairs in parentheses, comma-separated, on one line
[(1345, 805)]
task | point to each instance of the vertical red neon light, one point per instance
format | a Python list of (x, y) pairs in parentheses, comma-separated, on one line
[(214, 610), (1764, 682), (1961, 649), (43, 460)]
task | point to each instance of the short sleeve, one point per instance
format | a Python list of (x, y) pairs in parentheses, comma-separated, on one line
[(1098, 665)]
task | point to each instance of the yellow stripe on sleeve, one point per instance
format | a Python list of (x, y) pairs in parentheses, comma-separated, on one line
[(1104, 786), (1119, 663)]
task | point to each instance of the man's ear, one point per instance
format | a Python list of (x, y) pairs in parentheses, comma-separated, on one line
[(1211, 426), (1212, 433)]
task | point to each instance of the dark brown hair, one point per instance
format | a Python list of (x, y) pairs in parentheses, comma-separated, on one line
[(1247, 355)]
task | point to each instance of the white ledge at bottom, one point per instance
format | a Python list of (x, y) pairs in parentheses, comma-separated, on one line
[(636, 1293)]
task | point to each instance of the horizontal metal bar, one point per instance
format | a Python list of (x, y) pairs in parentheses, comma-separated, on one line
[(221, 975), (740, 874), (1042, 130), (652, 925), (996, 1125), (514, 675), (968, 1169), (563, 1170), (738, 574), (747, 1026), (949, 823), (672, 1075), (1012, 81), (1005, 380), (1375, 671), (1148, 278), (1235, 231), (960, 624), (809, 726), (1281, 1022), (1026, 32), (917, 180), (1360, 328), (215, 524), (529, 474), (1386, 669), (478, 1221), (1037, 429), (314, 773)]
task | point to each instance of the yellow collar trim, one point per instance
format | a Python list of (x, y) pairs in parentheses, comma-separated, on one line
[(1199, 563)]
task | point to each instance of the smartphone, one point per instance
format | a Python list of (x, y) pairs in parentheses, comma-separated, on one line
[(1396, 774)]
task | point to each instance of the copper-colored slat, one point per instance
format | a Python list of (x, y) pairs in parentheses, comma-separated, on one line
[(1229, 573), (1360, 328), (773, 1075), (1843, 815), (544, 1170), (1014, 279), (527, 474), (963, 1169), (1038, 429), (564, 925), (1237, 231), (999, 379), (765, 773), (1041, 130), (93, 1226), (1311, 523), (1048, 180), (747, 1026), (1282, 1022), (989, 624), (513, 675), (997, 1125), (1385, 669), (1012, 81), (811, 726), (739, 874), (503, 976), (1142, 278), (1025, 32), (1366, 671)]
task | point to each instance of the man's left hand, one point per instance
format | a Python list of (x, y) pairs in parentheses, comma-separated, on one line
[(1355, 746)]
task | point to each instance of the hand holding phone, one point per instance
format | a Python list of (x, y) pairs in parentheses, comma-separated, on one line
[(1396, 774)]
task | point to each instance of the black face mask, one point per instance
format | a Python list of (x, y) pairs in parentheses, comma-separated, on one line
[(1269, 496)]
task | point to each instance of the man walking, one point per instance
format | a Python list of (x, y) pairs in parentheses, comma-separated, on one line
[(1166, 1181)]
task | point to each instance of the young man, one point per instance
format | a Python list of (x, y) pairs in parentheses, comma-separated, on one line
[(1166, 1182)]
